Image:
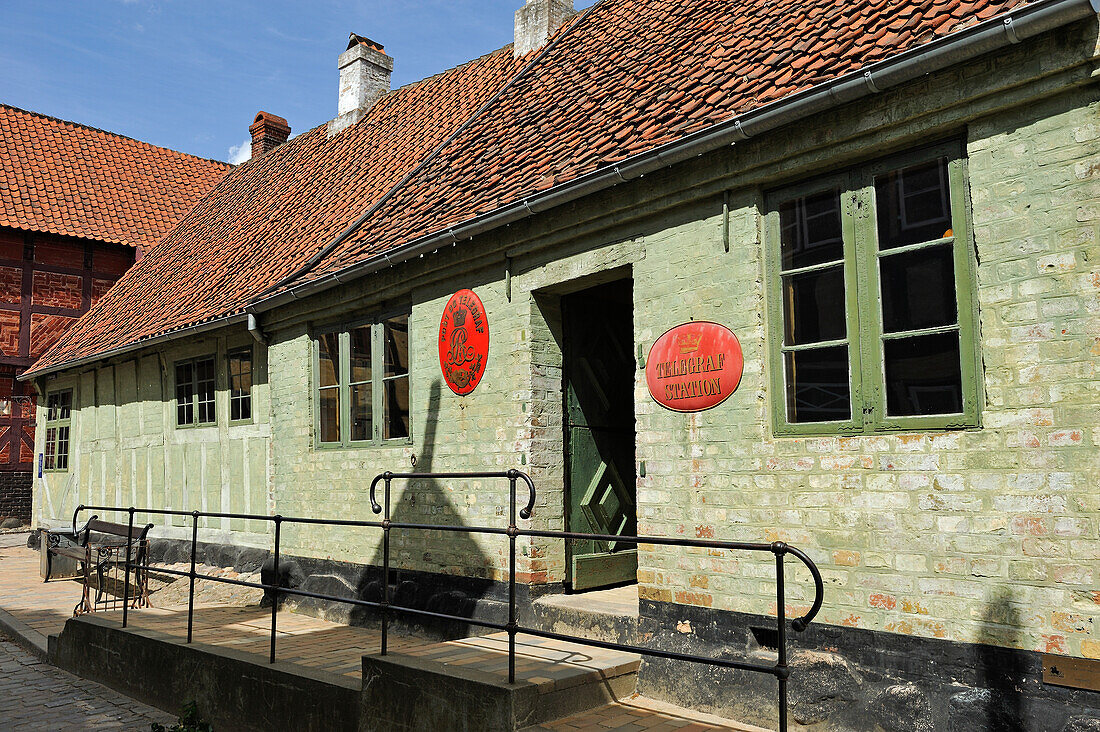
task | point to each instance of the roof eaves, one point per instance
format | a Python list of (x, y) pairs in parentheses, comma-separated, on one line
[(206, 325)]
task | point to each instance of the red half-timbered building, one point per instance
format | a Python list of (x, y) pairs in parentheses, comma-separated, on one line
[(78, 206)]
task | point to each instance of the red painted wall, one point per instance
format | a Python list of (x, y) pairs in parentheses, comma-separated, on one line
[(46, 283)]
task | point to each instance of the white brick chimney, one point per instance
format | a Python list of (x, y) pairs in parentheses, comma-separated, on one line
[(537, 20), (364, 78)]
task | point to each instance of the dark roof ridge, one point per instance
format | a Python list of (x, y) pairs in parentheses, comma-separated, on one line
[(119, 135)]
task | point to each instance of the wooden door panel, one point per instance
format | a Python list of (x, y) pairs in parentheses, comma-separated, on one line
[(599, 392)]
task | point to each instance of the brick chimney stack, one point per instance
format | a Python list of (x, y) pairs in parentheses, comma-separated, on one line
[(537, 20), (268, 132), (364, 79)]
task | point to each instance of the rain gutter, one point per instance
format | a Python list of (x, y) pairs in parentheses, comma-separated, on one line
[(991, 35), (171, 335)]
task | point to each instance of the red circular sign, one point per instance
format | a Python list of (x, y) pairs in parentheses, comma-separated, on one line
[(463, 342), (694, 366)]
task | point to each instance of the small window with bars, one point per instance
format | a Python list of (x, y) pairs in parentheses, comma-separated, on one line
[(59, 405), (195, 387)]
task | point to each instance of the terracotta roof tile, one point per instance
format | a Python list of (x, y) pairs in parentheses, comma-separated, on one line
[(70, 179), (632, 75)]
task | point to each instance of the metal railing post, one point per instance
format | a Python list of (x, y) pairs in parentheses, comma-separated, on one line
[(386, 565), (276, 582), (781, 668), (126, 577), (512, 530), (191, 591)]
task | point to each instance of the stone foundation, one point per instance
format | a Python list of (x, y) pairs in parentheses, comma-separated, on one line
[(854, 679)]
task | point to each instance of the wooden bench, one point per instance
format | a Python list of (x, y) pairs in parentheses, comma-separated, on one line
[(98, 556)]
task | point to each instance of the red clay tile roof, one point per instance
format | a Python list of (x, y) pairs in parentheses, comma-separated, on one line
[(631, 75), (69, 179)]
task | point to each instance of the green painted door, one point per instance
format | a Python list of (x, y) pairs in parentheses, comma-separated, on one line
[(599, 433)]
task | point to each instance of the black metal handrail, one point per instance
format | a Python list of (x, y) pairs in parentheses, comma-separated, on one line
[(780, 670)]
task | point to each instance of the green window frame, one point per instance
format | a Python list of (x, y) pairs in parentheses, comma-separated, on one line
[(361, 383), (858, 230), (239, 370), (59, 405), (196, 391)]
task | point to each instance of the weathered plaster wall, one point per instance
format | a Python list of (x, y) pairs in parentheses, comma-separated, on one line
[(127, 451)]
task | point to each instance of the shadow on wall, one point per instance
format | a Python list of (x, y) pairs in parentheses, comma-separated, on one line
[(457, 584), (459, 578), (998, 705)]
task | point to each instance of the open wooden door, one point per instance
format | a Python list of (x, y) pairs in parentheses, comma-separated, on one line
[(598, 327)]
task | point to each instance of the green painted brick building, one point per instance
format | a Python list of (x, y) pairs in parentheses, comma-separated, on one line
[(910, 267)]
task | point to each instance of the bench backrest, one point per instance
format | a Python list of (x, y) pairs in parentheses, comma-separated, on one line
[(110, 527)]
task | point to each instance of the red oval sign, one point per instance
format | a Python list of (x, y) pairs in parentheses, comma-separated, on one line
[(463, 342), (694, 366)]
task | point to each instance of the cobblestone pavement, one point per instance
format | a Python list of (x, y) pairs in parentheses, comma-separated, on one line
[(37, 696)]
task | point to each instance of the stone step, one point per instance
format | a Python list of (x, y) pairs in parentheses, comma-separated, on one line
[(428, 687), (604, 615)]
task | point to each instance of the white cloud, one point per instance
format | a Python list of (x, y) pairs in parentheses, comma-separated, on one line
[(240, 153)]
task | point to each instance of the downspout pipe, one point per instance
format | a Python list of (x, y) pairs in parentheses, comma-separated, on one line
[(982, 38), (255, 329)]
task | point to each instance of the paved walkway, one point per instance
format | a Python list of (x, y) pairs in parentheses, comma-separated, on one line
[(37, 696), (41, 609)]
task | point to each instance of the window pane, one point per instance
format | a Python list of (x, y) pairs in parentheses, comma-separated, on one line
[(240, 385), (62, 460), (397, 346), (51, 448), (813, 304), (328, 405), (360, 354), (362, 425), (395, 405), (913, 204), (328, 359), (185, 392), (65, 402), (918, 289), (818, 388), (923, 375), (204, 374), (810, 230)]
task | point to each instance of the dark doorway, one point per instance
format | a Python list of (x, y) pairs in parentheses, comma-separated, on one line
[(598, 373)]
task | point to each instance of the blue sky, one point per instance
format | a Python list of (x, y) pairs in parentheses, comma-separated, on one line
[(191, 74)]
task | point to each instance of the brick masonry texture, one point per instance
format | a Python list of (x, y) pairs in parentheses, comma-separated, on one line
[(15, 495), (987, 535)]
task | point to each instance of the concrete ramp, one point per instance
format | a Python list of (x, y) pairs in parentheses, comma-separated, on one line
[(421, 685), (463, 685), (234, 689)]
